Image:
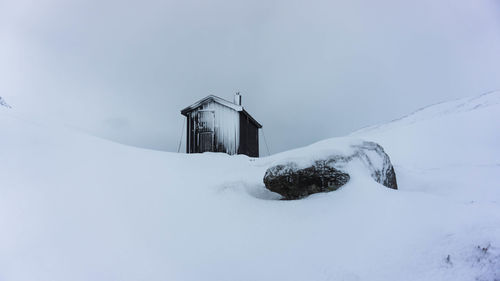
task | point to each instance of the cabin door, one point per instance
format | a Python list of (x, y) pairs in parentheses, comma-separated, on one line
[(205, 131)]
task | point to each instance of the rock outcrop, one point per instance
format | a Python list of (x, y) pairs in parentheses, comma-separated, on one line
[(293, 180), (3, 103)]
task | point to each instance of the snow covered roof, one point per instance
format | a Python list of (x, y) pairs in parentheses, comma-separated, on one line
[(222, 102)]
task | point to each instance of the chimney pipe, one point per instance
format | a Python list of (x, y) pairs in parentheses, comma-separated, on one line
[(237, 98)]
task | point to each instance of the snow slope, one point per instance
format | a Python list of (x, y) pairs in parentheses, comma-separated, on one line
[(450, 149), (76, 207)]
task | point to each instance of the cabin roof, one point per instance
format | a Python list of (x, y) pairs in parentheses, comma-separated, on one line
[(221, 101)]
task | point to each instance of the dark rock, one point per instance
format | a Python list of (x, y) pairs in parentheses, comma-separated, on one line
[(294, 183), (3, 103), (330, 173)]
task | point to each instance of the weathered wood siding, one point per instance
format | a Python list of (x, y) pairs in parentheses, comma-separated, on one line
[(225, 129), (249, 136)]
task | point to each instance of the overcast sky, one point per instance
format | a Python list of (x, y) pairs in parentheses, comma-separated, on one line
[(307, 70)]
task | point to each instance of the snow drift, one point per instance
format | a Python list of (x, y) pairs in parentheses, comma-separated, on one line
[(75, 207)]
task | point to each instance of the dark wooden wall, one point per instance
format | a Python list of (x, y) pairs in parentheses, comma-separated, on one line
[(190, 141), (233, 132), (249, 137)]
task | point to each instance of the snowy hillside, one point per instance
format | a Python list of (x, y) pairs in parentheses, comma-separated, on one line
[(76, 207), (450, 149)]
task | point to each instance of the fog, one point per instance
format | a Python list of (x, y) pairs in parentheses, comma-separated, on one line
[(307, 70)]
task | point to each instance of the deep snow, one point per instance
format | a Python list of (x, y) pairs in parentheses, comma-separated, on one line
[(76, 207)]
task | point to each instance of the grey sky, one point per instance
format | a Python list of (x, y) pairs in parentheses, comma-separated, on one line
[(307, 70)]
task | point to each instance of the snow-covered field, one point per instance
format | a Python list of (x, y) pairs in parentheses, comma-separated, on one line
[(76, 207)]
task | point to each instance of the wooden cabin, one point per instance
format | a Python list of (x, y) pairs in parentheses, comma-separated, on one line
[(217, 125)]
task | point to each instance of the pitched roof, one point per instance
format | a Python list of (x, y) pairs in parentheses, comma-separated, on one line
[(221, 101)]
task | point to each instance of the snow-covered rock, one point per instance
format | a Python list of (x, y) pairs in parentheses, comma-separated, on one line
[(293, 182), (4, 103), (296, 179)]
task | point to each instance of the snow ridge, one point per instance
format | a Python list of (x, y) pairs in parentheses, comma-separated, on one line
[(441, 109)]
